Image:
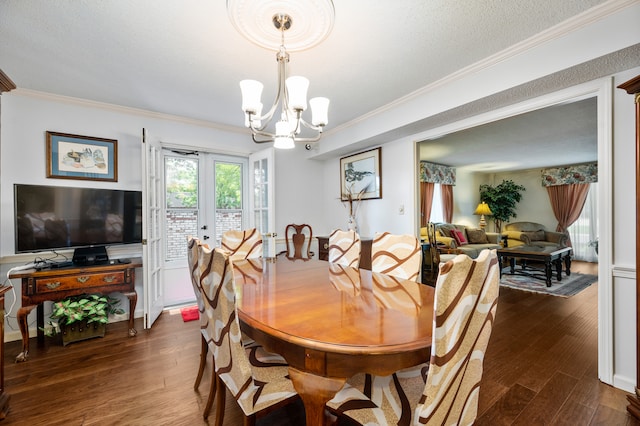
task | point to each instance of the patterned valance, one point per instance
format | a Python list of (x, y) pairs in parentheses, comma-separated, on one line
[(437, 173), (579, 173)]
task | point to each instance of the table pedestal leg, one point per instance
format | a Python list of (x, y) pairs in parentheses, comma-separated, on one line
[(315, 391), (23, 313)]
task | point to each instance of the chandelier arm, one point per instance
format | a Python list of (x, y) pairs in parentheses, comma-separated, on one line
[(253, 136), (306, 140), (311, 126), (282, 57)]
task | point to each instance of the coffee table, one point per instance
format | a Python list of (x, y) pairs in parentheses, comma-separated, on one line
[(550, 256)]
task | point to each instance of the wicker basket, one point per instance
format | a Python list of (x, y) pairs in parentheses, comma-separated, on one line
[(81, 331)]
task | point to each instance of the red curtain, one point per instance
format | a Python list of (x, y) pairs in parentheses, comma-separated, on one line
[(567, 202), (447, 202), (426, 200)]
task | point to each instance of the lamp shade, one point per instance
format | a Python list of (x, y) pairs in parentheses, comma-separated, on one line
[(251, 94), (482, 209), (283, 138), (297, 90), (319, 111)]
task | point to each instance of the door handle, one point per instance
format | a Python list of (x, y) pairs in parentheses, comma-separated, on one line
[(205, 237)]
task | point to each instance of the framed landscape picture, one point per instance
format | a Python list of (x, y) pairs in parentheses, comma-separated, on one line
[(360, 176), (81, 157)]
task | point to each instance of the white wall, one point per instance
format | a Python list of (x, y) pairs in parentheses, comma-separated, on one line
[(378, 215)]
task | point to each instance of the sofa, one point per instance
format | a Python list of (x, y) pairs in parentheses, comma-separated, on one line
[(471, 242), (531, 233)]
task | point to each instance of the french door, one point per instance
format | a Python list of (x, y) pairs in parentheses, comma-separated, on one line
[(152, 235), (201, 194)]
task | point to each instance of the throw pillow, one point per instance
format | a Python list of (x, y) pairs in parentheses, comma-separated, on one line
[(535, 236), (458, 235), (477, 236), (445, 230)]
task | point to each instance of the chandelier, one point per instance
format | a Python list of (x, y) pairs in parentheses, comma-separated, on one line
[(289, 104)]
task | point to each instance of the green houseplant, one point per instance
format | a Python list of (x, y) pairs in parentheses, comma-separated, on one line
[(81, 317), (502, 200)]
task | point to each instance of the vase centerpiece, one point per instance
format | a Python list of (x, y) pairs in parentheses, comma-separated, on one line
[(352, 202)]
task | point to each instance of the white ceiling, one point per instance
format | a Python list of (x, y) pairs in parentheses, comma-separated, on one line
[(185, 58), (554, 136)]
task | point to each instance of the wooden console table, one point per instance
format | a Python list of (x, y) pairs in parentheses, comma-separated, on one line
[(365, 251), (58, 283), (4, 397)]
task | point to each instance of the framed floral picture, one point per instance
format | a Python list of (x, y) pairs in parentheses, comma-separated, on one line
[(360, 176), (81, 157)]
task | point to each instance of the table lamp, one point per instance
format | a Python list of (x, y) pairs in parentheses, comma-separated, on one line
[(482, 209)]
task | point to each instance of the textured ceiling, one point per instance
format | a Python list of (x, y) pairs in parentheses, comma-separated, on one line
[(186, 58)]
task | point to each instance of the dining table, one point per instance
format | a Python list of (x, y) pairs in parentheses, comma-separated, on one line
[(330, 322)]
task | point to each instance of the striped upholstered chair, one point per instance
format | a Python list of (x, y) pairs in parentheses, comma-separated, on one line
[(194, 272), (396, 255), (344, 248), (445, 390), (257, 379), (245, 244)]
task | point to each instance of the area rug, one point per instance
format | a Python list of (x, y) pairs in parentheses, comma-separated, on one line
[(569, 286), (189, 313)]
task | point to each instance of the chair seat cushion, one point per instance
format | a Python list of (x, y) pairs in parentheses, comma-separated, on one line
[(381, 400)]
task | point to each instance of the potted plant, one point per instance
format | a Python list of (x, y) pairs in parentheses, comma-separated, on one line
[(81, 317), (502, 200)]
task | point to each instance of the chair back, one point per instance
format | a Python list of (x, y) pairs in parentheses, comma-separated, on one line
[(298, 239), (344, 248), (465, 307), (231, 363), (433, 245), (245, 244), (396, 255), (194, 270)]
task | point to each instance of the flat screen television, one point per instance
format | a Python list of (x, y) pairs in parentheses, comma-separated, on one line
[(49, 218)]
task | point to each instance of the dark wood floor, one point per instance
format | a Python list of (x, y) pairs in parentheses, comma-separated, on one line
[(540, 368)]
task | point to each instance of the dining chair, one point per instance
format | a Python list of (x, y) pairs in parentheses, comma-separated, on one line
[(258, 380), (244, 244), (396, 255), (193, 244), (445, 390), (344, 248), (298, 240), (438, 255)]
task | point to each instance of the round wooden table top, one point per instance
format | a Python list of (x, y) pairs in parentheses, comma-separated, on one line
[(333, 308)]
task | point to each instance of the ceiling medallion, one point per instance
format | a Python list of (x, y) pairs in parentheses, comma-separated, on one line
[(253, 19)]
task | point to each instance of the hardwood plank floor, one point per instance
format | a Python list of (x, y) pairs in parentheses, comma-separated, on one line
[(540, 368)]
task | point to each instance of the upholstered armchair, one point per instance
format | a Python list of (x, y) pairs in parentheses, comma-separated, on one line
[(531, 233)]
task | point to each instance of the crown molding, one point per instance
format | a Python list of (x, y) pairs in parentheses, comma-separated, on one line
[(125, 110), (6, 85), (558, 31)]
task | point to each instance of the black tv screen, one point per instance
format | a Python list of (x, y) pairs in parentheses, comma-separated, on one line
[(50, 217)]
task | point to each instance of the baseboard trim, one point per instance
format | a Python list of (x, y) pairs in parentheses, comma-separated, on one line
[(627, 384)]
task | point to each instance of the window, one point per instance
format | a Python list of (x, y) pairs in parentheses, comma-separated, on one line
[(584, 231), (437, 214), (228, 190), (181, 204)]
